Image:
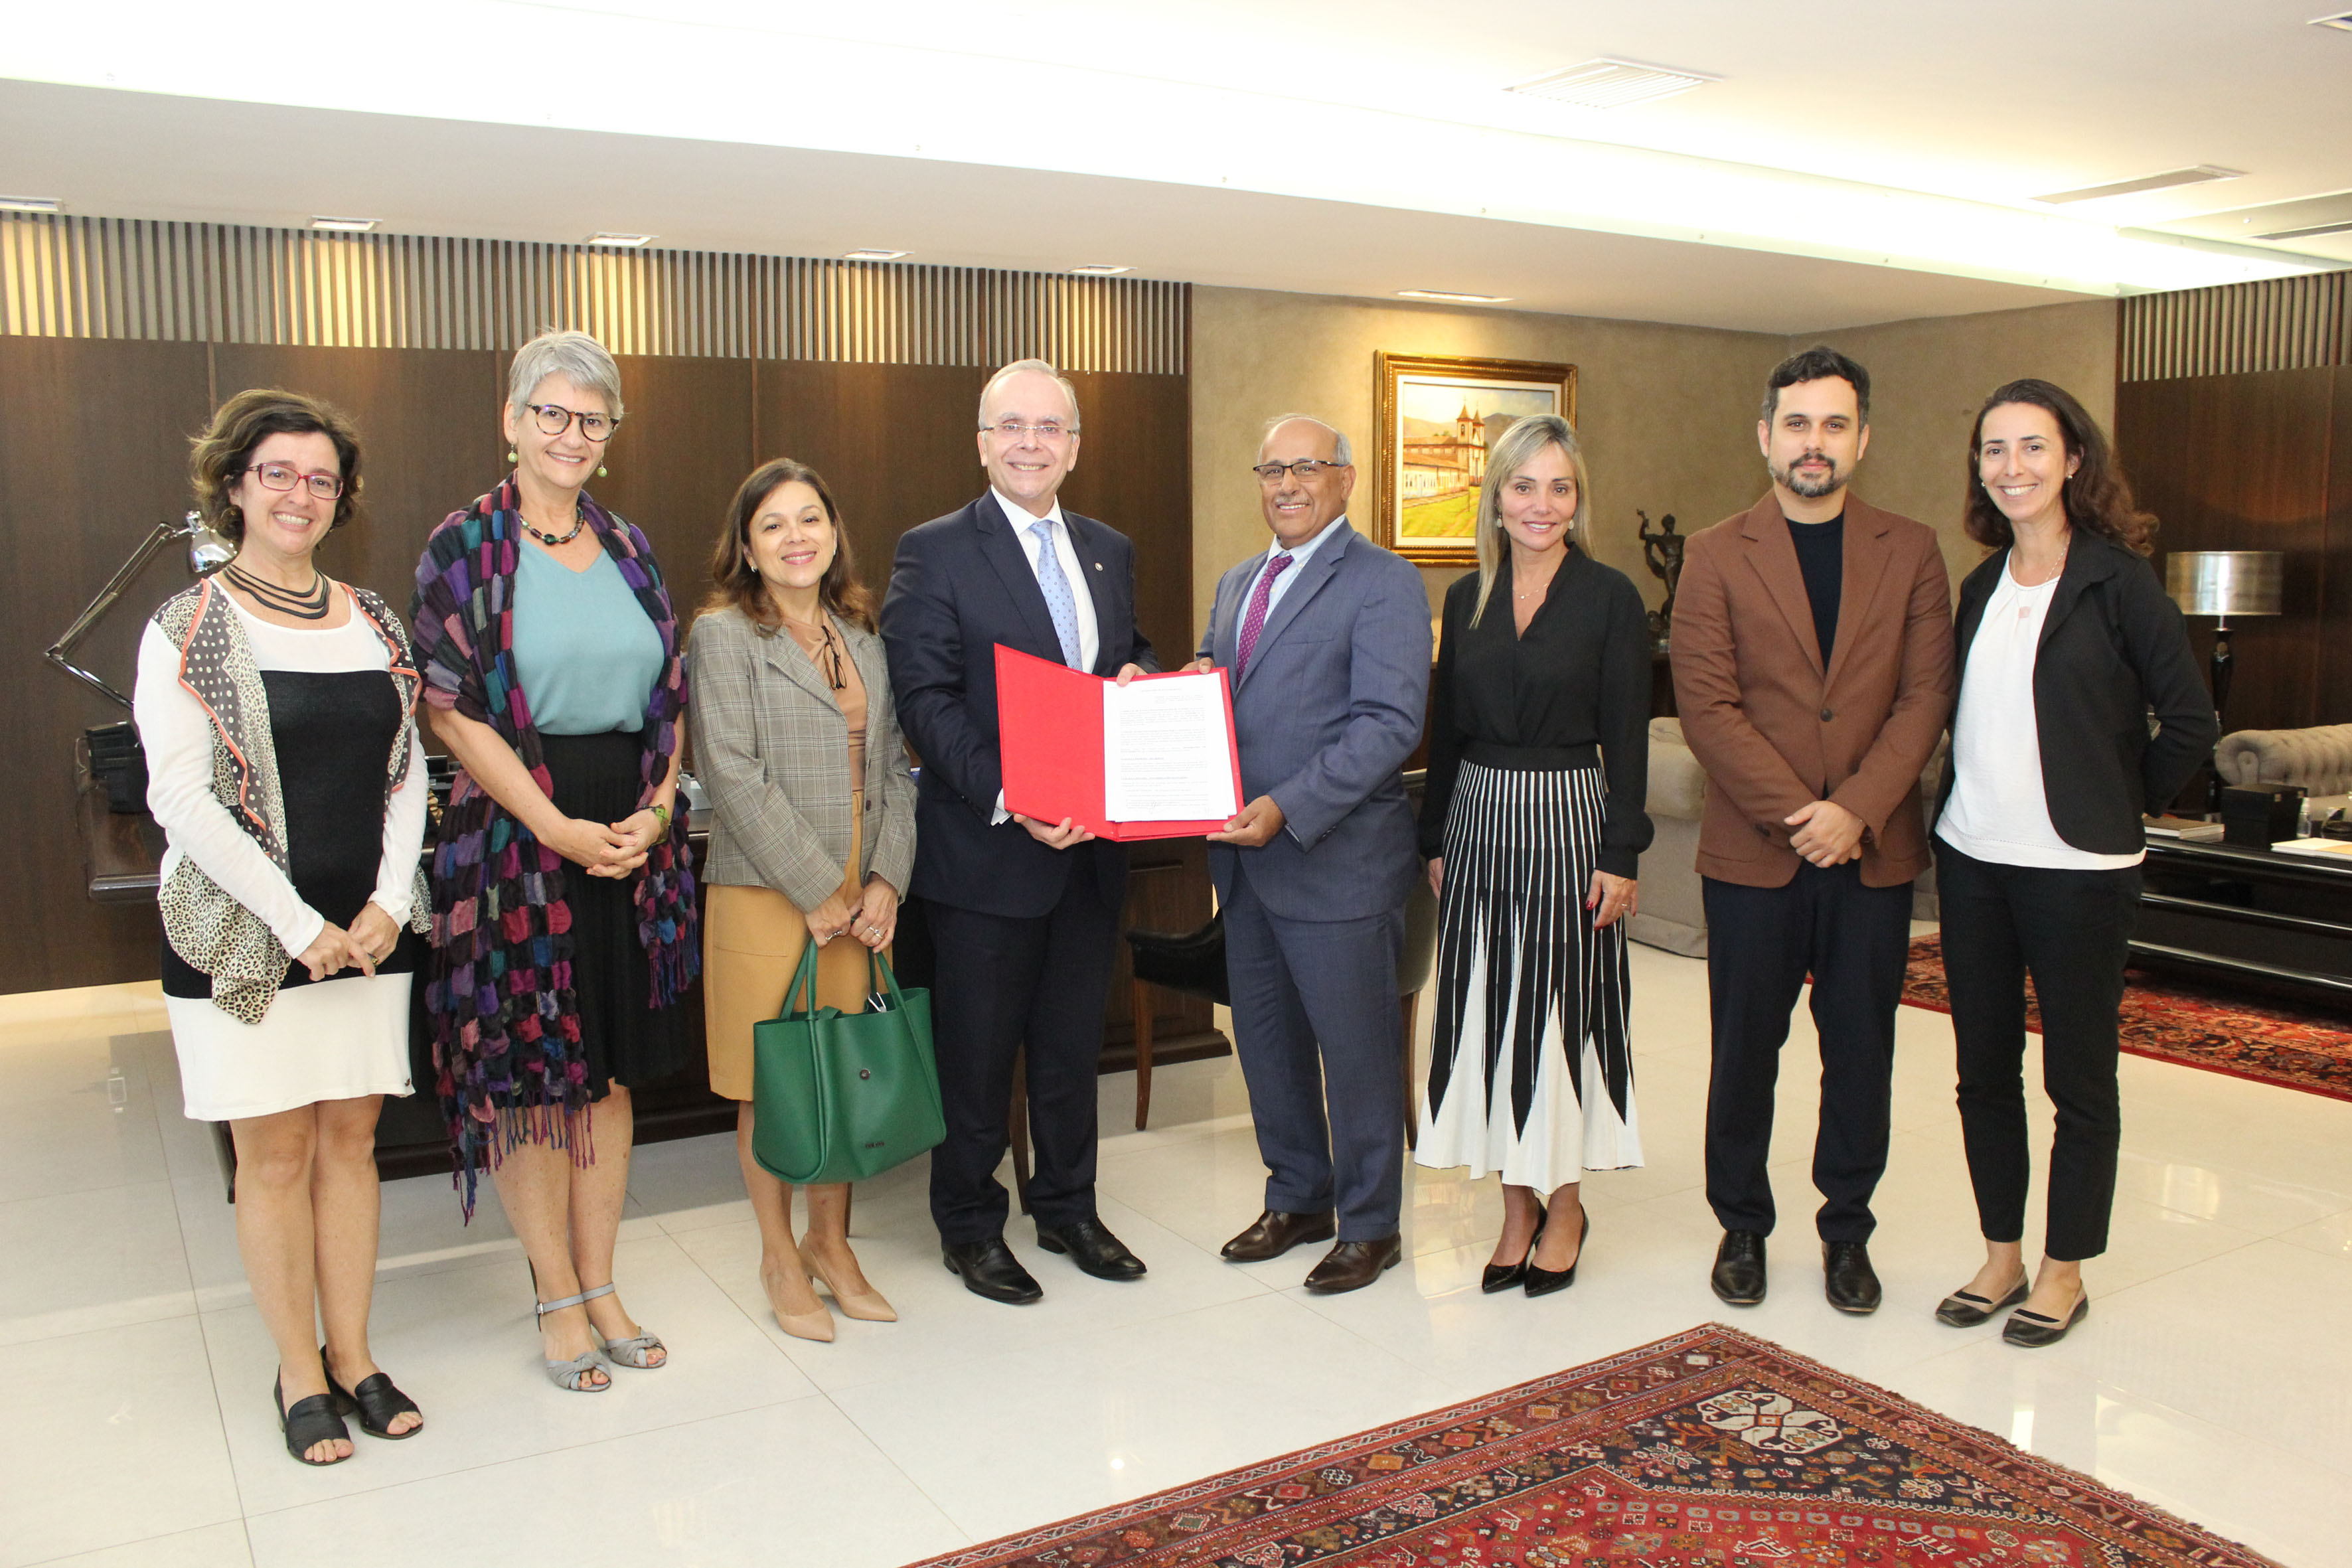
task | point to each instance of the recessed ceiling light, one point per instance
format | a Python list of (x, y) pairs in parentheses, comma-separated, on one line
[(2164, 182), (1607, 83), (31, 205), (874, 256), (1099, 270), (2344, 227), (2342, 23), (344, 225), (620, 241), (1448, 297)]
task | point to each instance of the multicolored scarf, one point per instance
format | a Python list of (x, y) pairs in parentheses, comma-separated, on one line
[(506, 1029)]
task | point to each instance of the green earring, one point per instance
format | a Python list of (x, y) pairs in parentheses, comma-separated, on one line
[(511, 458), (602, 470)]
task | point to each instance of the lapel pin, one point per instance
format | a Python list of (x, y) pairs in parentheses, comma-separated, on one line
[(1098, 566)]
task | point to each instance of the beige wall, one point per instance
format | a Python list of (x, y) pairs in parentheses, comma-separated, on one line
[(1668, 413), (1928, 379)]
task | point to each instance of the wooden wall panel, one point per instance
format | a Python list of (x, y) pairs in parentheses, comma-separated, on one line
[(2240, 462), (1134, 472), (93, 454), (2335, 705), (684, 445), (429, 443)]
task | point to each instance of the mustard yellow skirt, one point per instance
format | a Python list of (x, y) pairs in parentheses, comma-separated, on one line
[(752, 938)]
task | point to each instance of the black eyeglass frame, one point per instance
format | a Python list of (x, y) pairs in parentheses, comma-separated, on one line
[(1305, 469), (540, 411)]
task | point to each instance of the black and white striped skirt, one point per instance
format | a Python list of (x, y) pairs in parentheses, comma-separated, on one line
[(1531, 1071)]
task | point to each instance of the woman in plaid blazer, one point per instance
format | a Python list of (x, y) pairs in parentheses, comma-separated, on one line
[(813, 836)]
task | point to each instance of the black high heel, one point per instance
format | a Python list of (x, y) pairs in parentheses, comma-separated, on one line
[(1544, 1281), (1502, 1276), (311, 1421)]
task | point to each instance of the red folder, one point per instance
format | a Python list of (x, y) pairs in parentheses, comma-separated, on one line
[(1049, 721)]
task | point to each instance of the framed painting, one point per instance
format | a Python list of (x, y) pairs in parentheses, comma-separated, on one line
[(1436, 418)]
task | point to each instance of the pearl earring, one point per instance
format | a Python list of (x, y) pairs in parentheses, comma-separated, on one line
[(511, 457), (602, 470)]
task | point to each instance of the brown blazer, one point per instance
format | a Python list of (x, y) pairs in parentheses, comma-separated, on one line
[(1773, 729)]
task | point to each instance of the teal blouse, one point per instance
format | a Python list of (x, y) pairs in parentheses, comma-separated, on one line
[(587, 656)]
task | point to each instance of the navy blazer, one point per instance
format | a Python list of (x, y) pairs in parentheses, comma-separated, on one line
[(2113, 653), (1328, 711), (961, 584)]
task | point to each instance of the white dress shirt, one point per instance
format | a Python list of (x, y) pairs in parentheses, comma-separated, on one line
[(1297, 567), (1024, 523)]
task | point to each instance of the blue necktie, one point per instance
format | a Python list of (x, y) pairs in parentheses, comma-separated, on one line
[(1058, 603)]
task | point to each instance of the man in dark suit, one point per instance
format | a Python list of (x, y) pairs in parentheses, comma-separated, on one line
[(1812, 645), (1024, 916), (1326, 636)]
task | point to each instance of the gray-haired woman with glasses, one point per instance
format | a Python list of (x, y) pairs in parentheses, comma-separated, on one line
[(563, 921)]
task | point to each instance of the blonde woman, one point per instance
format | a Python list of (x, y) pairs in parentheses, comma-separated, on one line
[(1533, 827), (813, 830)]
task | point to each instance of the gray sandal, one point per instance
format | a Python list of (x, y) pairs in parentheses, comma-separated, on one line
[(634, 1353), (571, 1376)]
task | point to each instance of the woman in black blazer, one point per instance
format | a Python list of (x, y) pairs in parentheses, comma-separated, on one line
[(2068, 648)]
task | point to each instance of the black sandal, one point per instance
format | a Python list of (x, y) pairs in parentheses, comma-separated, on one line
[(379, 1403), (311, 1421)]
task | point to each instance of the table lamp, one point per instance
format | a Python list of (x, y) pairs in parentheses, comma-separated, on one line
[(2221, 584)]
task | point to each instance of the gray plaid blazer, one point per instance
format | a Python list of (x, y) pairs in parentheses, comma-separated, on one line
[(772, 746)]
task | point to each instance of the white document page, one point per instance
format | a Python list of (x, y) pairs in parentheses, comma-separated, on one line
[(1166, 755)]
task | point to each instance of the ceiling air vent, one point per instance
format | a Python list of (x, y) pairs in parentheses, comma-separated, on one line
[(2344, 227), (1611, 84), (2164, 182)]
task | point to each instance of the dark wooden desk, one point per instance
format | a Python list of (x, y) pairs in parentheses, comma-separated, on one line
[(1168, 889), (2275, 922)]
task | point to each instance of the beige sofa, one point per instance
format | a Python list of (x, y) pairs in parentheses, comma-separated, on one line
[(2318, 759), (1674, 916)]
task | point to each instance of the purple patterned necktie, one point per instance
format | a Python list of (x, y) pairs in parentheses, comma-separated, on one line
[(1254, 622)]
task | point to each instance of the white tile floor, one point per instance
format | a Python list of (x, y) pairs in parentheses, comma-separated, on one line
[(2213, 1377)]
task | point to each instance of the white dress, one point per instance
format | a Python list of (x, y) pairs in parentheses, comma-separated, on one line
[(333, 1039)]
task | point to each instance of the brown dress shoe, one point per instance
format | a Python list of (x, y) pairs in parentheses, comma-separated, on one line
[(1352, 1265), (1271, 1235)]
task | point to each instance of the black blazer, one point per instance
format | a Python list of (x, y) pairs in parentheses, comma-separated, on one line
[(961, 586), (2113, 650)]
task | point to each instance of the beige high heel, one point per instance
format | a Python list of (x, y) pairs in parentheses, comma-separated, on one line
[(866, 1305), (817, 1325)]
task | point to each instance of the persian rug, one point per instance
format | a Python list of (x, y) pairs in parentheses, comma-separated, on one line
[(1709, 1448), (2178, 1021)]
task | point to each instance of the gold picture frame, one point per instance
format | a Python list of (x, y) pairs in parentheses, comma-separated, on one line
[(1431, 442)]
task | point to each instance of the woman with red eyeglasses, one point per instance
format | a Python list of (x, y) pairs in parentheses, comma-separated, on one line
[(276, 706)]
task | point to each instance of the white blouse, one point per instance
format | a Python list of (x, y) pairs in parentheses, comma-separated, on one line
[(1999, 810), (178, 737)]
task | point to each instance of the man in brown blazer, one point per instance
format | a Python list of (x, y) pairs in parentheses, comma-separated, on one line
[(1813, 660)]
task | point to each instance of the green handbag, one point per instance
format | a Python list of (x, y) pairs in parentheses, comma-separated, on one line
[(840, 1097)]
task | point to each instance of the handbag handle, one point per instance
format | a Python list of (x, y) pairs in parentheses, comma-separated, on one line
[(878, 966), (805, 975)]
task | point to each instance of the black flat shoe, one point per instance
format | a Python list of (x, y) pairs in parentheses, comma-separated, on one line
[(1966, 1309), (378, 1403), (1092, 1249), (990, 1270), (1739, 1274), (1848, 1280), (2032, 1331), (311, 1421), (1544, 1281), (1502, 1276)]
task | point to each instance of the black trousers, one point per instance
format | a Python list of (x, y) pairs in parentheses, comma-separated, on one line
[(1001, 983), (2071, 931), (1762, 942)]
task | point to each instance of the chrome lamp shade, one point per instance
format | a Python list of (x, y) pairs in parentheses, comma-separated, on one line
[(2226, 582)]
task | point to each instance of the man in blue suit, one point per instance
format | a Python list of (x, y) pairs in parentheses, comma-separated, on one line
[(1326, 637), (1024, 916)]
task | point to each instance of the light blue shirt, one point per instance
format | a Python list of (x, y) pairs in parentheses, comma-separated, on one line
[(1297, 566), (583, 648)]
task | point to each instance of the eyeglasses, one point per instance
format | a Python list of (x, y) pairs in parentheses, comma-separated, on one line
[(554, 419), (1306, 468), (1013, 430), (285, 475)]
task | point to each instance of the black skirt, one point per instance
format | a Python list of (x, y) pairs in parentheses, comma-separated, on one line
[(623, 1038)]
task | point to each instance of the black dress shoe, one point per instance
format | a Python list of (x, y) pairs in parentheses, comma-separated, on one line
[(1738, 1276), (1849, 1281), (1966, 1309), (1352, 1265), (1502, 1276), (1544, 1281), (1092, 1248), (990, 1270), (2032, 1331), (1272, 1234)]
